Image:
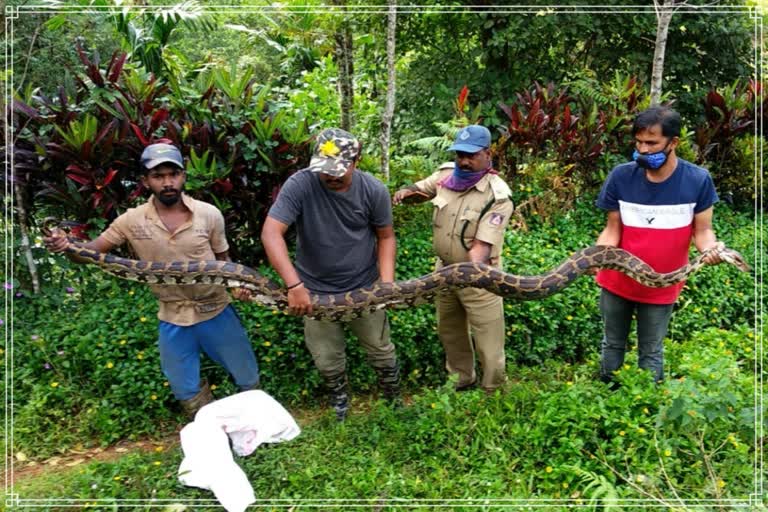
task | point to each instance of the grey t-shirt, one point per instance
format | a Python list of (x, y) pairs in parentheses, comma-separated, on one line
[(336, 246)]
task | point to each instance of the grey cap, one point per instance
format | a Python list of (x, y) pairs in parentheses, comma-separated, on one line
[(156, 154), (335, 152), (472, 139)]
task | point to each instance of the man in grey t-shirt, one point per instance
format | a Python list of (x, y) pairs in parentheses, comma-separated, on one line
[(345, 241)]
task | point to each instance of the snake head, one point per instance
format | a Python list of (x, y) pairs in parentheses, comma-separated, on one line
[(735, 258), (49, 225)]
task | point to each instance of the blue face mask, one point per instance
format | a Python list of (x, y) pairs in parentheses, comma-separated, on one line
[(650, 160)]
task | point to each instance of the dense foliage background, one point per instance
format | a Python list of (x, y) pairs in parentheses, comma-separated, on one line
[(243, 92)]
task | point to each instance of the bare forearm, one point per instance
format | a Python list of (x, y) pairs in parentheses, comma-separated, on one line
[(480, 252), (277, 253), (609, 237), (387, 248), (704, 239)]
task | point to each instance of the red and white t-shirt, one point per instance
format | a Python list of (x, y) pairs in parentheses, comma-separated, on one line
[(657, 223)]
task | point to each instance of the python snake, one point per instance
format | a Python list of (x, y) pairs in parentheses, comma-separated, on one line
[(356, 303)]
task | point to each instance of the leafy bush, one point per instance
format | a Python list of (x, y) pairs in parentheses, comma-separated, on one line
[(77, 153), (724, 141)]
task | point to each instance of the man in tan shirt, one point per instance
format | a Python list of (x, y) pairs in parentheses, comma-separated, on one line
[(172, 226), (472, 207)]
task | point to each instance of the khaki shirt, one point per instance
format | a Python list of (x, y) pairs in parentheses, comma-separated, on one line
[(200, 238), (453, 210)]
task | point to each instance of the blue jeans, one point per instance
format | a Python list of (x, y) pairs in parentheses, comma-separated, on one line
[(652, 323), (222, 338)]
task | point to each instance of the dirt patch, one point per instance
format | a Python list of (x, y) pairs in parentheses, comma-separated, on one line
[(24, 467)]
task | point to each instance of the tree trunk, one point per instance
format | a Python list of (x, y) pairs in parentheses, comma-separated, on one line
[(344, 62), (389, 109), (25, 248), (663, 18)]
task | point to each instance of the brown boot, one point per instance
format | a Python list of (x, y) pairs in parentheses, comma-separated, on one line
[(194, 404)]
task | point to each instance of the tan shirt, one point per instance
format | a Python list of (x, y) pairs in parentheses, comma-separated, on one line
[(200, 238), (453, 210)]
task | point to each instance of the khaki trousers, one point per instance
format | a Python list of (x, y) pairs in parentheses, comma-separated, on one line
[(467, 314), (325, 341)]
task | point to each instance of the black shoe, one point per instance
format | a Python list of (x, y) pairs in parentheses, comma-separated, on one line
[(338, 395), (466, 387), (389, 383)]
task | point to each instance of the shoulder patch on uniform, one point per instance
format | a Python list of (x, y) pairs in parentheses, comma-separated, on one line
[(495, 219), (446, 165), (501, 191)]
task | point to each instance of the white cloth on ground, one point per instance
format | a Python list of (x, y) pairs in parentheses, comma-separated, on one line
[(249, 418)]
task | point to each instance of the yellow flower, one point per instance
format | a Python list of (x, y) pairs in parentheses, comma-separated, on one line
[(213, 387), (267, 359), (266, 344), (157, 463), (158, 449), (140, 356), (621, 432), (433, 405), (569, 318), (750, 335), (329, 148), (123, 342), (667, 452), (280, 352), (130, 292), (303, 391), (166, 384), (153, 397), (118, 477), (54, 384), (143, 319), (569, 383), (548, 469), (626, 367), (721, 483), (640, 430), (714, 310), (110, 364), (565, 485)]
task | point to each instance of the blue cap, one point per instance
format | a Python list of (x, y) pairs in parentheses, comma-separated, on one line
[(472, 139), (156, 154)]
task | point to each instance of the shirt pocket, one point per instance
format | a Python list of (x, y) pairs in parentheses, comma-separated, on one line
[(438, 213), (468, 223)]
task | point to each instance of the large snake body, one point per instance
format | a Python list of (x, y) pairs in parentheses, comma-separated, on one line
[(355, 303)]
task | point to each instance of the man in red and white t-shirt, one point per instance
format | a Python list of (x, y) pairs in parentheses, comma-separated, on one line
[(656, 205)]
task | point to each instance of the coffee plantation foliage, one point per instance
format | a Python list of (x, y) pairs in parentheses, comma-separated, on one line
[(85, 361)]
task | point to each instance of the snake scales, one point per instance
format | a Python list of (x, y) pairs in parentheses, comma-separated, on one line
[(345, 306)]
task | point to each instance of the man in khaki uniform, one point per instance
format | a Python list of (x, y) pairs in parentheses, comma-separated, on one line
[(194, 318), (472, 210)]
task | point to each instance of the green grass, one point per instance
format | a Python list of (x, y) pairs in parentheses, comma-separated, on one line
[(554, 433)]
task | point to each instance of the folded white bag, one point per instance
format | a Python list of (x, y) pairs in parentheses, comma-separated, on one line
[(250, 419)]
